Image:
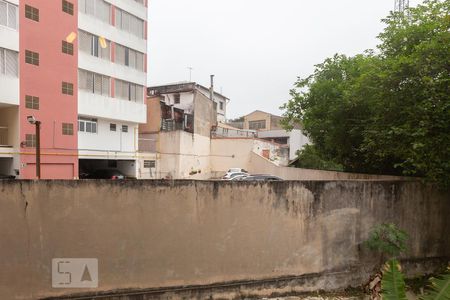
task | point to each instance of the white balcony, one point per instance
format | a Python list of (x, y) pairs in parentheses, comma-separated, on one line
[(91, 24), (132, 7), (9, 90), (110, 108), (105, 67)]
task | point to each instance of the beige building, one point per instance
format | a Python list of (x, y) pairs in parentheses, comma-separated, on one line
[(259, 120), (180, 118), (268, 127)]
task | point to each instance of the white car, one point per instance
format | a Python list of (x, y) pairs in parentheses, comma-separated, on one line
[(234, 172)]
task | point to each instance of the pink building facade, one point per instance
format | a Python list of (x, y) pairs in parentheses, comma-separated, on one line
[(78, 67)]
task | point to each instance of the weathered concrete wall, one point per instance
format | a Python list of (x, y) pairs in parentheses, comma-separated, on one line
[(151, 234), (205, 116), (258, 164)]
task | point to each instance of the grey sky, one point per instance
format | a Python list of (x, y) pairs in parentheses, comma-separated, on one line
[(256, 48)]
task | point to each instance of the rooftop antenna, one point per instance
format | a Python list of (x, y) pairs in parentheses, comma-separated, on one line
[(190, 73), (401, 5)]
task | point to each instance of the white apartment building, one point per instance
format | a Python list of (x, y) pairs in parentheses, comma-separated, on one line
[(9, 86), (112, 80)]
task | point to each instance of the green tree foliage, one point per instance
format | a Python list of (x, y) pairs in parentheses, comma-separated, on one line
[(393, 285), (439, 288), (385, 112), (387, 239), (311, 159)]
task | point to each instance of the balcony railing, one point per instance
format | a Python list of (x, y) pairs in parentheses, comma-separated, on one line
[(4, 137)]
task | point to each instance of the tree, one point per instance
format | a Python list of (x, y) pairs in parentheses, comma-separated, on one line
[(386, 111)]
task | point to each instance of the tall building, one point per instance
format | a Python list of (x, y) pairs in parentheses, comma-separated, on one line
[(78, 67)]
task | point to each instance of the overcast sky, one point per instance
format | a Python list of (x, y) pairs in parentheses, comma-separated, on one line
[(256, 48)]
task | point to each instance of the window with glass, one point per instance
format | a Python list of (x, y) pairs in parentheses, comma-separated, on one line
[(130, 23), (90, 44), (124, 128), (148, 164), (176, 98), (32, 102), (30, 140), (32, 57), (9, 15), (97, 8), (255, 125), (94, 83), (129, 57), (87, 125), (67, 128), (128, 91), (9, 62), (67, 7), (67, 47), (67, 88)]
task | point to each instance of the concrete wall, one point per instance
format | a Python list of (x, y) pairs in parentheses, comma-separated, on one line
[(183, 155), (205, 115), (153, 116), (150, 234), (258, 164), (229, 153)]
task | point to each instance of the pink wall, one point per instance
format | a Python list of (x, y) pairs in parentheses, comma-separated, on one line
[(59, 152)]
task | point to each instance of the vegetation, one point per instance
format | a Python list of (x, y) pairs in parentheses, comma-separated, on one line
[(387, 239), (385, 111), (391, 241), (394, 287), (311, 159)]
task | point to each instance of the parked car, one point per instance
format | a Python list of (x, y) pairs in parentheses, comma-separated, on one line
[(112, 174), (239, 177), (232, 171), (262, 177), (7, 177)]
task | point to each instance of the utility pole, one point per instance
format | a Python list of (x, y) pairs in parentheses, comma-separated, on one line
[(211, 90), (32, 120), (401, 5)]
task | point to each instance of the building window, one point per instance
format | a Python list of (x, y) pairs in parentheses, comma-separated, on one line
[(87, 125), (96, 8), (67, 47), (30, 140), (112, 127), (128, 91), (67, 128), (67, 7), (94, 83), (91, 44), (31, 102), (9, 15), (140, 1), (221, 105), (148, 164), (9, 62), (31, 13), (67, 88), (124, 128), (32, 57), (129, 57), (176, 98), (129, 23), (256, 125)]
